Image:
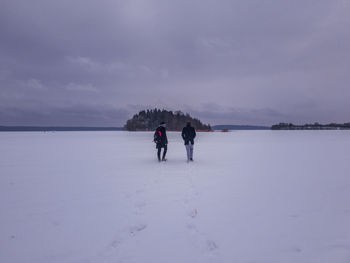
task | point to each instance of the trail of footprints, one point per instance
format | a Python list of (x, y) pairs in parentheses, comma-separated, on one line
[(111, 253), (199, 239), (207, 245)]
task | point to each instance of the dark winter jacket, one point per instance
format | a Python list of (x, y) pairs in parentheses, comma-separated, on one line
[(160, 137), (188, 134)]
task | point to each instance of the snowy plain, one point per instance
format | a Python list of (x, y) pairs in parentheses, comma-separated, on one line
[(249, 196)]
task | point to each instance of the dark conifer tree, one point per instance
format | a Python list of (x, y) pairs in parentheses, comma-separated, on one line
[(148, 120)]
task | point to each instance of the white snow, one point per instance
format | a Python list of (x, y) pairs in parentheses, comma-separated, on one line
[(249, 196)]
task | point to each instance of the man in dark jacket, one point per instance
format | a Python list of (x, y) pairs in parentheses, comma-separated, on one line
[(188, 135), (161, 140)]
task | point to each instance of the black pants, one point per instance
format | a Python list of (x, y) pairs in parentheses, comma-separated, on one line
[(159, 147)]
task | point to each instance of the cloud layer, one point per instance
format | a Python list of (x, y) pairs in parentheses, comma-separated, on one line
[(236, 62)]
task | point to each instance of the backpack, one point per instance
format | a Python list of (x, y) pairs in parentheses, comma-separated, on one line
[(157, 136)]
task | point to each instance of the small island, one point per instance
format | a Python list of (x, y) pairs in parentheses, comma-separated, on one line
[(315, 126), (148, 120)]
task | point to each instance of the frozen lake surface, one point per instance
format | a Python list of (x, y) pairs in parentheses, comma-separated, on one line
[(249, 196)]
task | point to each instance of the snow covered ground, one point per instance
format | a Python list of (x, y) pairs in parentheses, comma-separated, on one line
[(250, 196)]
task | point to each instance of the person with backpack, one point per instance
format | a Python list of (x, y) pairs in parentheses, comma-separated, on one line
[(188, 134), (161, 140)]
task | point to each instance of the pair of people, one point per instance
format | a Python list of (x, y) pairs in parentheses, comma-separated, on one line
[(188, 134)]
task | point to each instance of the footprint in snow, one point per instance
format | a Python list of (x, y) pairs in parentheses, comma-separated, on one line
[(294, 215), (192, 228), (140, 191), (140, 205), (211, 245), (115, 243), (137, 228), (296, 250), (193, 213), (108, 254), (127, 195)]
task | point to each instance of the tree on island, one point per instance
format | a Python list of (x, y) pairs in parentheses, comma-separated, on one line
[(148, 120), (314, 126)]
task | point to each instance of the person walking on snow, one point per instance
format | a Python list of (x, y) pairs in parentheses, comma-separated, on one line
[(188, 134), (161, 140)]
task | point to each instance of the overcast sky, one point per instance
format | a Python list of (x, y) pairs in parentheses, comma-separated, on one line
[(96, 63)]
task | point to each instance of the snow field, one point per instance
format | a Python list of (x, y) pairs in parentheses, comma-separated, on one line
[(249, 196)]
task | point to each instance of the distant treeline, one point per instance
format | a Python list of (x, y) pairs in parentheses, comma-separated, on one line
[(53, 128), (148, 120), (240, 127), (315, 126)]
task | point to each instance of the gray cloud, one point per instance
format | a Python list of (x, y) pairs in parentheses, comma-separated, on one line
[(258, 62)]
